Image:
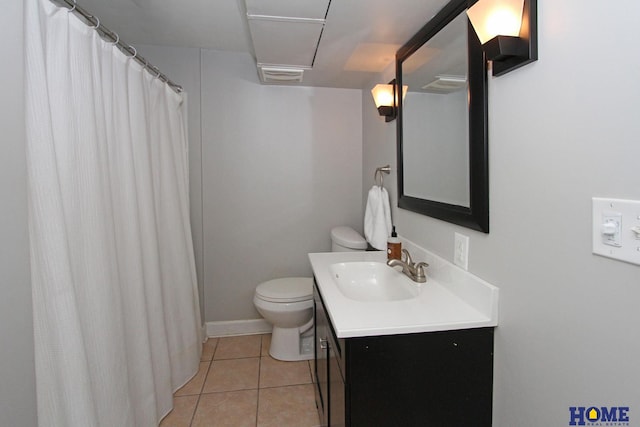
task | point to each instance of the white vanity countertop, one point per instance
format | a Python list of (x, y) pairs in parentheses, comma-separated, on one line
[(450, 299)]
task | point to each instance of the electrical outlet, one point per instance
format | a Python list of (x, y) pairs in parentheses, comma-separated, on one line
[(461, 251)]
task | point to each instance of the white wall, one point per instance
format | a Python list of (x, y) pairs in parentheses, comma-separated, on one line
[(273, 168), (182, 66), (281, 166), (17, 370), (561, 130)]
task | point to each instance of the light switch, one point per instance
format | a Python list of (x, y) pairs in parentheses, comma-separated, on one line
[(616, 229), (611, 226)]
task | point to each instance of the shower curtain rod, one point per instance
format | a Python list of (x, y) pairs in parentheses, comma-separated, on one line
[(104, 32)]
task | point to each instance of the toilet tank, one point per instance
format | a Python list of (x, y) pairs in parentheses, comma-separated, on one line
[(346, 239)]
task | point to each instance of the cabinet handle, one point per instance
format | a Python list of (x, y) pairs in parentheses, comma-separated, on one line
[(324, 343)]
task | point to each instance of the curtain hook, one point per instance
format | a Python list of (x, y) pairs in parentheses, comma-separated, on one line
[(157, 70), (117, 39), (97, 25), (75, 4), (135, 52)]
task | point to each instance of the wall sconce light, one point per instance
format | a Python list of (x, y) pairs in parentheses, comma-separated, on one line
[(386, 99), (508, 31)]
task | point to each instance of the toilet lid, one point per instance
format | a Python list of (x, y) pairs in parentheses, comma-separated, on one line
[(348, 238), (287, 289)]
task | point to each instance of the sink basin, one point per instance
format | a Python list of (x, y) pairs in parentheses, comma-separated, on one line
[(372, 281)]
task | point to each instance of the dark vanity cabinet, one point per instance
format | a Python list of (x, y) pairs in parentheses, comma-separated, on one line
[(442, 379)]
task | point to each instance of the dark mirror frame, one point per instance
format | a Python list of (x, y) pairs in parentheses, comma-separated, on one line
[(476, 216)]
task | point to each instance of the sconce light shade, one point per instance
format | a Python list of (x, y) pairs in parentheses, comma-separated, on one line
[(384, 95), (492, 18), (507, 30)]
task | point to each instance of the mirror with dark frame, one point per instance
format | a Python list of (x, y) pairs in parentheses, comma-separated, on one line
[(442, 142)]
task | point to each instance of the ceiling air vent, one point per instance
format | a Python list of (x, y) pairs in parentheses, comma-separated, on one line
[(280, 74)]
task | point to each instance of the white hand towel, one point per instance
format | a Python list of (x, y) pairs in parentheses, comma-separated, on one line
[(377, 218)]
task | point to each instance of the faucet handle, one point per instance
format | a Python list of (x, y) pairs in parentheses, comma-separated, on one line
[(421, 277)]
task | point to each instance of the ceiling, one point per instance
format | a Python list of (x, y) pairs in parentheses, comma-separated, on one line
[(359, 38)]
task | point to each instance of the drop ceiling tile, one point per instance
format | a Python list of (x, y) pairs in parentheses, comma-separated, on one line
[(290, 43), (316, 9)]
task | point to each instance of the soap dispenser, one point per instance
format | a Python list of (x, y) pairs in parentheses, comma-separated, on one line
[(394, 246)]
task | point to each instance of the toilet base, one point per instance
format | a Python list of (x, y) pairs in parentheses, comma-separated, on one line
[(290, 345)]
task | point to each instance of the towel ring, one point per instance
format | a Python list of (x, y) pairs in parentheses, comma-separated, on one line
[(381, 170)]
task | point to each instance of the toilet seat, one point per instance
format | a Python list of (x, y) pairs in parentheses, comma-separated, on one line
[(288, 289)]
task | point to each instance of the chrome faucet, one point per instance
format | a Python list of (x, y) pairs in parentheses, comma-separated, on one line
[(415, 271)]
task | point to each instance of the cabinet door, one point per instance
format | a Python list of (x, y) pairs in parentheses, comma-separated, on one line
[(429, 379), (320, 365)]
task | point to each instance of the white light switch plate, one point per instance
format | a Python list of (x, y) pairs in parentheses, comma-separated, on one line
[(461, 251), (616, 229)]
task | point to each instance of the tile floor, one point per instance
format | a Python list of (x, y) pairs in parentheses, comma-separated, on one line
[(239, 384)]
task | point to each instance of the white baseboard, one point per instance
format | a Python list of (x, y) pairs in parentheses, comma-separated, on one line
[(237, 327)]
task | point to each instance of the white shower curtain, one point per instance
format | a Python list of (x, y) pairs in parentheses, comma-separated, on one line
[(116, 314)]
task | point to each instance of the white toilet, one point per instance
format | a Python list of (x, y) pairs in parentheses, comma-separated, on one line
[(287, 304)]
